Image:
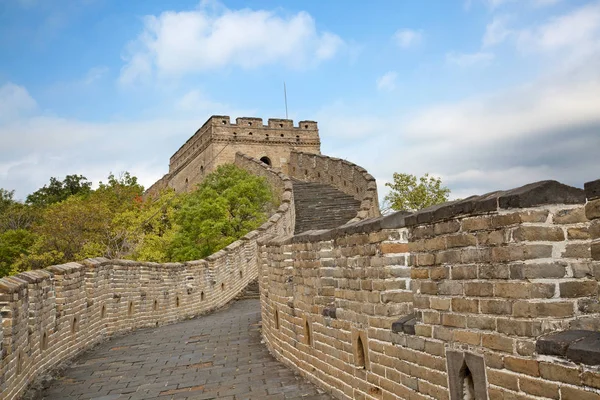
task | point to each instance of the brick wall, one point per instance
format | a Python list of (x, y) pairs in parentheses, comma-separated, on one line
[(50, 315), (456, 298), (341, 174)]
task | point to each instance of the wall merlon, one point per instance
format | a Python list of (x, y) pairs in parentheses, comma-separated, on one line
[(592, 189)]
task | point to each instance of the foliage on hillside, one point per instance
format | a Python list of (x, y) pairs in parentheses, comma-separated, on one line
[(69, 221)]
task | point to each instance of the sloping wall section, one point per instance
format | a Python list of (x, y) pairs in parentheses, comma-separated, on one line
[(342, 175), (50, 315), (458, 301)]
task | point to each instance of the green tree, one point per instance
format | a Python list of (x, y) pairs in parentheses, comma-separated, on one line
[(146, 232), (57, 191), (408, 194), (6, 199), (229, 203), (14, 244)]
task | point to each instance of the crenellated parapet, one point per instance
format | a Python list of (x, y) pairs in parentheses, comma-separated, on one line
[(246, 131)]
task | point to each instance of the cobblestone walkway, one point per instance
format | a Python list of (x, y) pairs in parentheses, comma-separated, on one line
[(218, 356)]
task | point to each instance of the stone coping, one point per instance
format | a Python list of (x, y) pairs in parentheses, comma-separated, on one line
[(530, 195), (580, 346)]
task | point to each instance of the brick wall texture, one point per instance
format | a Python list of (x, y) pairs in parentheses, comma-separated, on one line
[(481, 279)]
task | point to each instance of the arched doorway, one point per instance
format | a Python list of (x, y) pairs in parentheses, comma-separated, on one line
[(266, 160)]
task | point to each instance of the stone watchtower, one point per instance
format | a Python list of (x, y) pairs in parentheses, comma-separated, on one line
[(217, 141)]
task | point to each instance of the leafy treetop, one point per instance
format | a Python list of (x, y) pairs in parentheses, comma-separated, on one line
[(409, 195)]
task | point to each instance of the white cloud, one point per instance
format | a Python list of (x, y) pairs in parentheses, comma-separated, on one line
[(534, 110), (211, 37), (469, 59), (94, 74), (493, 4), (496, 31), (406, 38), (37, 145), (574, 32), (387, 81), (194, 100), (15, 101)]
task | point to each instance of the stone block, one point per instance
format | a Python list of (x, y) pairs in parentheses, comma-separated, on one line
[(540, 193), (538, 233), (592, 189)]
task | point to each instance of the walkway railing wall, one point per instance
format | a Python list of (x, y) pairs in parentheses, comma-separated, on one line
[(341, 174), (50, 315), (463, 297)]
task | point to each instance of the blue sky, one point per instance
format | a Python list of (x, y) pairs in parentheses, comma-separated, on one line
[(487, 94)]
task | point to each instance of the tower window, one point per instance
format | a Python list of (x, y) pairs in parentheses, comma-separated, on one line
[(266, 160)]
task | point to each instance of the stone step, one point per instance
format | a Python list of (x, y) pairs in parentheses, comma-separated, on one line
[(320, 206), (251, 291)]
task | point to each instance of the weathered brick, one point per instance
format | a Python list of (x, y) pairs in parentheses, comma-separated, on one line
[(577, 250), (450, 288), (468, 337), (537, 271), (455, 320), (578, 288), (460, 272), (517, 290), (438, 273), (461, 240), (492, 238), (578, 234), (592, 209), (496, 307), (481, 322), (429, 287), (534, 215), (476, 223), (559, 373), (570, 216), (443, 228), (498, 342), (595, 251), (513, 327), (479, 289), (503, 379), (539, 387), (529, 309), (522, 365), (394, 248), (440, 303), (538, 233), (494, 271), (460, 304), (521, 252), (568, 392), (419, 273), (591, 378)]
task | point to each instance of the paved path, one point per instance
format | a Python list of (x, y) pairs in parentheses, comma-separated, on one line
[(218, 356)]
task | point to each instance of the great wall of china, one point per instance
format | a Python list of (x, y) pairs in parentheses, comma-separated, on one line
[(490, 297)]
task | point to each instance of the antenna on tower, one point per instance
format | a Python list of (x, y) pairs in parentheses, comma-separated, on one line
[(285, 98)]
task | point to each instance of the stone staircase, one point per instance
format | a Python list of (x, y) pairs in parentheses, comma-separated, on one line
[(250, 292), (320, 206)]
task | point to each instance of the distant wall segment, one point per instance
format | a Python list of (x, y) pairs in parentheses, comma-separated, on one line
[(341, 174), (50, 315), (491, 297)]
